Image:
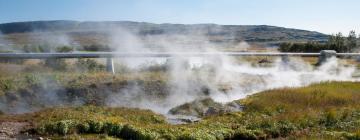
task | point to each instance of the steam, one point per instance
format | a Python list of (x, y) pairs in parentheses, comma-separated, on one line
[(225, 81), (47, 93), (51, 39), (4, 43), (242, 46), (219, 77)]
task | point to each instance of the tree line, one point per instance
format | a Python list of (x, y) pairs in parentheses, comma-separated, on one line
[(336, 42)]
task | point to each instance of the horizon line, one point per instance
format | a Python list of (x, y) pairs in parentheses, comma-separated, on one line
[(160, 23)]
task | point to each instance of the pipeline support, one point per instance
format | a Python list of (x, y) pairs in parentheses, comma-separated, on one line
[(110, 65)]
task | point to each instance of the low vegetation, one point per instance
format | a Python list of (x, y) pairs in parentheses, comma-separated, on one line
[(336, 42), (328, 110)]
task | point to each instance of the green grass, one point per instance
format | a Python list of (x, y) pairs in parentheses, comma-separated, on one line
[(315, 97), (73, 79), (321, 111)]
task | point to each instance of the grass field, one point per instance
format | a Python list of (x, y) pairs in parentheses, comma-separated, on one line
[(320, 111)]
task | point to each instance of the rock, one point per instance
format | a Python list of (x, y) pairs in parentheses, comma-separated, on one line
[(195, 108), (181, 119), (211, 111), (204, 107)]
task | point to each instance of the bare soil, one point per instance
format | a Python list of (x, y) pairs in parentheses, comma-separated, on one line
[(12, 130)]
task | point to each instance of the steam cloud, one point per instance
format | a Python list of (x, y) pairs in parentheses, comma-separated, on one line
[(219, 77), (4, 43), (51, 39)]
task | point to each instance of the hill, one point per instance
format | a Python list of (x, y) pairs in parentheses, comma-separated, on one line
[(99, 32)]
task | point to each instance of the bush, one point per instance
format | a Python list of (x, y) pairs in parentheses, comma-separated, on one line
[(6, 84), (130, 132), (62, 127), (36, 48), (56, 63), (286, 128), (89, 65), (352, 136), (248, 134), (329, 119), (113, 129), (95, 126), (64, 49), (197, 134), (97, 47), (32, 79), (83, 127), (303, 47)]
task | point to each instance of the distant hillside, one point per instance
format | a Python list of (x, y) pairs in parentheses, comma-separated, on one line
[(98, 32)]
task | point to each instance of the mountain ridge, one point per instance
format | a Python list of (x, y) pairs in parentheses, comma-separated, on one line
[(263, 34)]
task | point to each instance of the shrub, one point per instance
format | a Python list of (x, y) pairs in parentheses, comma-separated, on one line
[(64, 49), (248, 134), (96, 47), (64, 127), (130, 132), (56, 63), (83, 127), (36, 48), (113, 129), (352, 136), (6, 84), (196, 134), (286, 128), (89, 65), (329, 119), (32, 79), (95, 126)]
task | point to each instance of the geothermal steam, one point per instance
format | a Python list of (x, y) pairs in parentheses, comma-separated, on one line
[(219, 77)]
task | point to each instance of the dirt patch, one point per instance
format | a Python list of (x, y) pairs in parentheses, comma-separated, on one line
[(12, 130)]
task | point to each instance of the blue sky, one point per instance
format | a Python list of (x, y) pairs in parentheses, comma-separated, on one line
[(327, 16)]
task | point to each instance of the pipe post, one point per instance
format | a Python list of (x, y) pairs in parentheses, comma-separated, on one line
[(325, 55), (110, 65)]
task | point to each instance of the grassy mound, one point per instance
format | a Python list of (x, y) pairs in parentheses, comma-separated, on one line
[(204, 107), (321, 111)]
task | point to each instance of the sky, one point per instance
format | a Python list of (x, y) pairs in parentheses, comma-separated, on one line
[(326, 16)]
